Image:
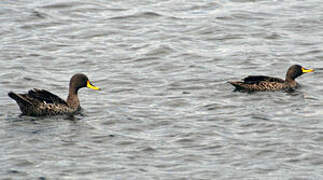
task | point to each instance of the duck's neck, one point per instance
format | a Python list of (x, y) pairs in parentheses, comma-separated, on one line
[(72, 99), (289, 78), (290, 82)]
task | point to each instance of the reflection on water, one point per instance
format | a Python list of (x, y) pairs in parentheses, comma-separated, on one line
[(166, 110)]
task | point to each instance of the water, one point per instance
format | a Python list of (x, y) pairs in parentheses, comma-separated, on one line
[(166, 111)]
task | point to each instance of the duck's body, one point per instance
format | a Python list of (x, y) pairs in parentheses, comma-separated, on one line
[(39, 102), (266, 83), (263, 83)]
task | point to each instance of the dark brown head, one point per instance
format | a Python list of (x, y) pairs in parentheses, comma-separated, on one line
[(295, 71), (79, 81)]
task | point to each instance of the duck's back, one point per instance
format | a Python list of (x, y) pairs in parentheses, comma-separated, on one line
[(41, 102), (257, 79)]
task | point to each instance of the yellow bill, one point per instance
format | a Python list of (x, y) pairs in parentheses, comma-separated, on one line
[(307, 70), (89, 85)]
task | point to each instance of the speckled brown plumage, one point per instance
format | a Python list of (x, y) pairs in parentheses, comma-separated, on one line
[(266, 83), (39, 102)]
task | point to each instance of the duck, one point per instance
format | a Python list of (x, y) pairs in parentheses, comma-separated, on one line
[(267, 83), (40, 102)]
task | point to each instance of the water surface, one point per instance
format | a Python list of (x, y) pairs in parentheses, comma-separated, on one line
[(166, 110)]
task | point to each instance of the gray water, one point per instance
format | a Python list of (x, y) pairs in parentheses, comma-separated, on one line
[(166, 110)]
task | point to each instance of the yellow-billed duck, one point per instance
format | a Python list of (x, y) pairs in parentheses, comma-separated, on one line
[(266, 83), (39, 102)]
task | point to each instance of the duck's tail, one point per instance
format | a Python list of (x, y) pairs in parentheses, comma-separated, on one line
[(21, 100), (236, 84)]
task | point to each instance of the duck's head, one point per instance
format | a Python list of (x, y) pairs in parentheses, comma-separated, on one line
[(79, 81), (295, 71)]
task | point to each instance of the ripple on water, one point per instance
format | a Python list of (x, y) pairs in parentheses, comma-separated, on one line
[(165, 110)]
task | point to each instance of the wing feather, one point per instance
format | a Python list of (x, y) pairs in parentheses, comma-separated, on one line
[(45, 96)]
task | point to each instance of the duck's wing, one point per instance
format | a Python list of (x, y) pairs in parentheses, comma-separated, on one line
[(45, 96), (257, 79)]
